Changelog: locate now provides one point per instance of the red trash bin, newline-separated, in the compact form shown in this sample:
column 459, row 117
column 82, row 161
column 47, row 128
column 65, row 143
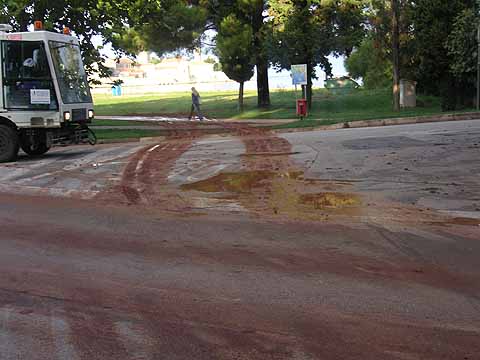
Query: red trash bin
column 302, row 107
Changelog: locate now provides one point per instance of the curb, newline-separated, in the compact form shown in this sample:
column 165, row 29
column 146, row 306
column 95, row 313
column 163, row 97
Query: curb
column 387, row 122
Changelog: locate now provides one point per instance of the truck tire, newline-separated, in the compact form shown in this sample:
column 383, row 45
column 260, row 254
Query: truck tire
column 9, row 143
column 37, row 150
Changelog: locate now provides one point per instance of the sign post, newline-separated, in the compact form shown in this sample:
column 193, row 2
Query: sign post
column 299, row 77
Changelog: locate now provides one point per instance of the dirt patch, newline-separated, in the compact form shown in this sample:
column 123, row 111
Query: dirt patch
column 330, row 200
column 238, row 182
column 271, row 185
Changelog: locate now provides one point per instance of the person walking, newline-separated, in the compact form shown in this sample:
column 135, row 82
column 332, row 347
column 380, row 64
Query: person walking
column 196, row 102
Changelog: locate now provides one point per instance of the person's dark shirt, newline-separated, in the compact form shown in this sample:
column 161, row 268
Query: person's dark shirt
column 195, row 99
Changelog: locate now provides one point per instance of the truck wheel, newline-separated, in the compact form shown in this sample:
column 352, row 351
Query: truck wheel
column 34, row 150
column 9, row 144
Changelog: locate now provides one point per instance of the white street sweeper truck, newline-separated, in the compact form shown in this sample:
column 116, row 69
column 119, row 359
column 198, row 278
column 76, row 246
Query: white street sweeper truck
column 45, row 98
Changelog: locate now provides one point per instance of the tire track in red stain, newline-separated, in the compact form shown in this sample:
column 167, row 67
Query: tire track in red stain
column 144, row 180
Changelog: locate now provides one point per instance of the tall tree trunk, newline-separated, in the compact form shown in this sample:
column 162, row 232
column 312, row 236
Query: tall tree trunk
column 261, row 61
column 240, row 97
column 263, row 91
column 396, row 56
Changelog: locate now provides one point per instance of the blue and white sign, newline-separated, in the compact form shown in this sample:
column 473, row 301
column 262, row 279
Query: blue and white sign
column 299, row 74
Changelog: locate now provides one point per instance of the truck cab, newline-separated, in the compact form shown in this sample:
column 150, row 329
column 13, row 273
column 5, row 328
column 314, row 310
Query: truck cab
column 45, row 98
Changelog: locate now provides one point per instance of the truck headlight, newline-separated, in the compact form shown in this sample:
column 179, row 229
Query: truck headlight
column 91, row 114
column 67, row 116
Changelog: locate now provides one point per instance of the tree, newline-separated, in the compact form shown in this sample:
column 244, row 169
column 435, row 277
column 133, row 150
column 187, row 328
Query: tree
column 307, row 32
column 434, row 22
column 161, row 27
column 131, row 26
column 261, row 60
column 235, row 51
column 462, row 48
column 86, row 18
column 250, row 12
column 369, row 62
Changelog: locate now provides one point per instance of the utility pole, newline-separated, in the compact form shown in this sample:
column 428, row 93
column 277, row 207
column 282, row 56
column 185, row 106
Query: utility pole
column 396, row 56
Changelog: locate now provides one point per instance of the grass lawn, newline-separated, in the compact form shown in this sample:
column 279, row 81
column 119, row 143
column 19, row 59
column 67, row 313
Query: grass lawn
column 327, row 108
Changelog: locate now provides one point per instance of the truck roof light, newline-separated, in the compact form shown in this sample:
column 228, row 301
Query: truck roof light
column 38, row 25
column 66, row 31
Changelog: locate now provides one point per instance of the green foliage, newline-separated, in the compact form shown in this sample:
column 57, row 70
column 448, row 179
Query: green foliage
column 300, row 34
column 210, row 60
column 161, row 26
column 249, row 12
column 308, row 31
column 369, row 63
column 461, row 46
column 236, row 41
column 235, row 49
column 434, row 22
column 86, row 18
column 131, row 26
column 437, row 47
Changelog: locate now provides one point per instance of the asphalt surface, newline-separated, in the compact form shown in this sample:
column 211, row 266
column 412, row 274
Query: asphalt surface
column 349, row 244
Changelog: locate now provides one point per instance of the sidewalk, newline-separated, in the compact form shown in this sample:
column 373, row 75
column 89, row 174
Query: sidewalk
column 166, row 119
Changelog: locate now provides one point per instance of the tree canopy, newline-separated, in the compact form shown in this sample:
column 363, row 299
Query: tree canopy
column 437, row 46
column 308, row 31
column 370, row 63
column 86, row 18
column 235, row 50
column 131, row 26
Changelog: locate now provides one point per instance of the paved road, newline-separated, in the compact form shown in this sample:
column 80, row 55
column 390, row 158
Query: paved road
column 80, row 171
column 427, row 165
column 250, row 246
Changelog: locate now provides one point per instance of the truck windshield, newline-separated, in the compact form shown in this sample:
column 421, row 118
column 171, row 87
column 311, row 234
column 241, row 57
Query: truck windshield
column 70, row 73
column 27, row 81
